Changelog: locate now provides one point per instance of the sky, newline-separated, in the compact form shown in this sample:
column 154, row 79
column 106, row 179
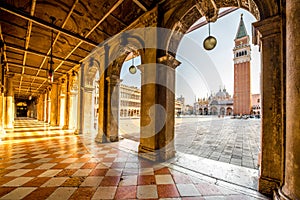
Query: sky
column 203, row 72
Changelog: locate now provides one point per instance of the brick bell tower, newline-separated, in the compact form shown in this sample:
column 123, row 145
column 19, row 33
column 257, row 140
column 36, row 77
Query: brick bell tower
column 242, row 81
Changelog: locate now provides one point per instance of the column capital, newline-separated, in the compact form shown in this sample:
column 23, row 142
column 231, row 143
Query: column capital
column 169, row 60
column 89, row 88
column 113, row 79
column 266, row 28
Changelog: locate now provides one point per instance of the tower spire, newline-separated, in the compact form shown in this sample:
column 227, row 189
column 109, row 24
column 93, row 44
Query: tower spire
column 242, row 32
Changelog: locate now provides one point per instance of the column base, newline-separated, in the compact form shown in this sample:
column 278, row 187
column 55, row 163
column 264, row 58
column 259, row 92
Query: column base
column 100, row 138
column 78, row 132
column 159, row 155
column 279, row 195
column 2, row 133
column 267, row 186
column 114, row 138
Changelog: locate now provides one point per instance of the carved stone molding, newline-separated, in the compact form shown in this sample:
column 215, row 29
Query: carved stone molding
column 169, row 60
column 149, row 19
column 208, row 8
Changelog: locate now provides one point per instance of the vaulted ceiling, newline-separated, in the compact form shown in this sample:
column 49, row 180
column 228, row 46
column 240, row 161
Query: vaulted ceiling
column 77, row 26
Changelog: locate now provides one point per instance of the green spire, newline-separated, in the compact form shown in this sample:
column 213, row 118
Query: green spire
column 242, row 29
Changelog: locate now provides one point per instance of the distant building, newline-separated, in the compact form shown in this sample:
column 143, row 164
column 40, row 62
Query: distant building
column 179, row 107
column 220, row 103
column 130, row 101
column 256, row 104
column 188, row 110
column 242, row 83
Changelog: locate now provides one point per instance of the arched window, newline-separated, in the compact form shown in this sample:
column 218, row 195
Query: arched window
column 242, row 53
column 245, row 52
column 237, row 54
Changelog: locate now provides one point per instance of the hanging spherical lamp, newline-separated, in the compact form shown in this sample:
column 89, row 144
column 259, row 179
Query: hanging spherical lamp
column 210, row 42
column 132, row 68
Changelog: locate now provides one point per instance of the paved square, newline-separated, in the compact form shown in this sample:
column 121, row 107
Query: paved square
column 234, row 141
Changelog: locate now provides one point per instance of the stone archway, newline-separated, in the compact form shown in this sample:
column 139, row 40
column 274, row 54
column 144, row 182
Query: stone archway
column 159, row 145
column 268, row 32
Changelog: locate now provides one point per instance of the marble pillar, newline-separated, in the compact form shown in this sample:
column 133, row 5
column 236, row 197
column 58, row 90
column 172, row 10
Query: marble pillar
column 2, row 131
column 102, row 104
column 88, row 109
column 40, row 108
column 2, row 66
column 112, row 114
column 9, row 102
column 101, row 137
column 62, row 102
column 291, row 187
column 108, row 118
column 269, row 33
column 71, row 103
column 157, row 107
column 54, row 105
column 67, row 103
column 45, row 107
column 48, row 106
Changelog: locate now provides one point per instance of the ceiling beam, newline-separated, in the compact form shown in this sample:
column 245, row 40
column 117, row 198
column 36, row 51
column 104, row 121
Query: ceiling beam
column 27, row 40
column 32, row 76
column 26, row 82
column 28, row 90
column 55, row 40
column 7, row 8
column 29, row 67
column 119, row 20
column 141, row 5
column 115, row 6
column 37, row 53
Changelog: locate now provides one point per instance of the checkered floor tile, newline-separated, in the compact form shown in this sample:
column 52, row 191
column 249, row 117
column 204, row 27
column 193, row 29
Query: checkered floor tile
column 42, row 162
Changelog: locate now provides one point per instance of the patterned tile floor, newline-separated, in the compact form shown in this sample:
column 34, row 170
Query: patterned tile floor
column 41, row 162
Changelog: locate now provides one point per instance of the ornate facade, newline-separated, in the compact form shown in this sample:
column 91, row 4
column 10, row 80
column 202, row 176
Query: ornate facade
column 219, row 104
column 130, row 101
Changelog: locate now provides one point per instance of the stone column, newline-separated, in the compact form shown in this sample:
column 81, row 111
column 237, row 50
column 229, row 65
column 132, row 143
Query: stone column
column 108, row 118
column 157, row 107
column 88, row 108
column 54, row 105
column 67, row 104
column 2, row 67
column 102, row 109
column 9, row 102
column 62, row 102
column 40, row 108
column 291, row 188
column 112, row 112
column 45, row 106
column 2, row 131
column 48, row 106
column 81, row 102
column 71, row 103
column 270, row 36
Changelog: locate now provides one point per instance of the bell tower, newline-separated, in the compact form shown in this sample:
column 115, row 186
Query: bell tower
column 242, row 81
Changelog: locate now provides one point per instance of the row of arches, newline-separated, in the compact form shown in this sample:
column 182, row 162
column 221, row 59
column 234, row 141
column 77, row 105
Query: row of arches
column 216, row 111
column 129, row 113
